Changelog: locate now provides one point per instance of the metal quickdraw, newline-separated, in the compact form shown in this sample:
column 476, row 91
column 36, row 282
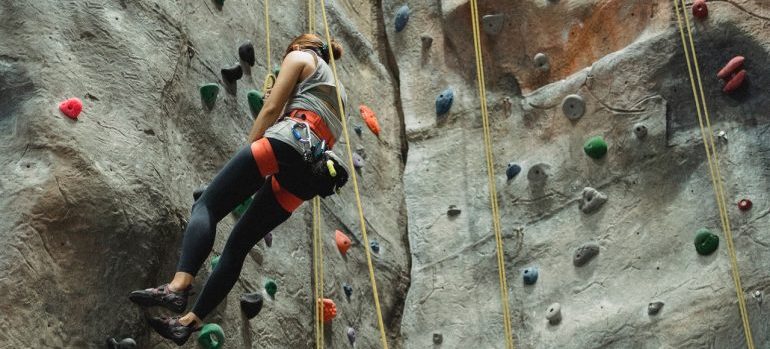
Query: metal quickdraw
column 311, row 152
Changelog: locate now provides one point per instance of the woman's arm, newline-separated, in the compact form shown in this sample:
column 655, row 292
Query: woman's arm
column 291, row 70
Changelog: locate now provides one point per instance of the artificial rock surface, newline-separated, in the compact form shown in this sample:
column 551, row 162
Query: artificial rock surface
column 95, row 208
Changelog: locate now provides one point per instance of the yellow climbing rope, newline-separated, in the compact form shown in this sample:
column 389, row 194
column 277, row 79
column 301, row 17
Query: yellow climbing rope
column 491, row 176
column 713, row 160
column 269, row 77
column 318, row 272
column 341, row 109
column 311, row 16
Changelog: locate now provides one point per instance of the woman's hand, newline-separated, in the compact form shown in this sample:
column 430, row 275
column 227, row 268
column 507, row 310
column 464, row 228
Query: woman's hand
column 292, row 68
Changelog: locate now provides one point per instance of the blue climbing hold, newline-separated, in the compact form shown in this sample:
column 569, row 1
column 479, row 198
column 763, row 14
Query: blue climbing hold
column 444, row 101
column 375, row 246
column 358, row 130
column 348, row 290
column 402, row 17
column 530, row 275
column 512, row 171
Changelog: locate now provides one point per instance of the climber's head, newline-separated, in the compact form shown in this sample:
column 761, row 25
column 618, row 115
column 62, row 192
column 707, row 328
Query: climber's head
column 314, row 42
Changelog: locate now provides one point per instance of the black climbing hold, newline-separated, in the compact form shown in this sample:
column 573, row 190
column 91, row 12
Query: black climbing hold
column 654, row 308
column 438, row 338
column 348, row 290
column 198, row 192
column 493, row 24
column 706, row 242
column 640, row 131
column 358, row 129
column 427, row 41
column 230, row 75
column 530, row 275
column 256, row 101
column 453, row 211
column 585, row 253
column 512, row 171
column 220, row 3
column 246, row 53
column 402, row 17
column 595, row 147
column 553, row 314
column 251, row 304
column 444, row 101
column 538, row 173
column 351, row 336
column 541, row 62
column 125, row 343
column 591, row 200
column 573, row 107
column 209, row 94
column 375, row 246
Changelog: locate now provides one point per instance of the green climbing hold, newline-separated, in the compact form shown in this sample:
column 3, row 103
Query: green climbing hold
column 595, row 147
column 276, row 70
column 212, row 336
column 706, row 242
column 209, row 94
column 256, row 101
column 241, row 208
column 271, row 287
column 214, row 262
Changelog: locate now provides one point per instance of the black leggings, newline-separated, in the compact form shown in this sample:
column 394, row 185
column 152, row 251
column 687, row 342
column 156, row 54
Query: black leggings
column 240, row 178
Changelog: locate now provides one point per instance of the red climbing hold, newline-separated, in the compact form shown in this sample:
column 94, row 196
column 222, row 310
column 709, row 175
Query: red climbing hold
column 745, row 205
column 71, row 107
column 330, row 310
column 735, row 82
column 731, row 67
column 699, row 9
column 343, row 242
column 370, row 118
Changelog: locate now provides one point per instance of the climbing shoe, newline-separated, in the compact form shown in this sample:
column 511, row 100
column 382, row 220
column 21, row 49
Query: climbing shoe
column 162, row 296
column 170, row 328
column 232, row 74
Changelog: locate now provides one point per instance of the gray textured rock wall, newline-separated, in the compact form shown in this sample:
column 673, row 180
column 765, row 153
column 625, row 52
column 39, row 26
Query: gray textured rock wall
column 94, row 208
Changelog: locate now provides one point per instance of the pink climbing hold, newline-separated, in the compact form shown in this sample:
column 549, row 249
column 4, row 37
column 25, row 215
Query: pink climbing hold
column 71, row 107
column 733, row 74
column 735, row 83
column 699, row 9
column 731, row 67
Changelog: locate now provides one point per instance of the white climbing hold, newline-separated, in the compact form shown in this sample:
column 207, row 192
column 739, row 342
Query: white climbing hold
column 591, row 200
column 493, row 24
column 640, row 131
column 553, row 314
column 541, row 62
column 573, row 107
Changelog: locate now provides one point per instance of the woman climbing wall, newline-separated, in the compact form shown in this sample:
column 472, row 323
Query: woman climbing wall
column 285, row 163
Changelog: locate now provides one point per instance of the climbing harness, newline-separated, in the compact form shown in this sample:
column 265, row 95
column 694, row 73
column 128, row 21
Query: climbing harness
column 713, row 160
column 490, row 176
column 362, row 220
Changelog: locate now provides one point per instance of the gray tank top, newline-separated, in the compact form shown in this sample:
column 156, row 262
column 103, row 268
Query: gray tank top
column 317, row 94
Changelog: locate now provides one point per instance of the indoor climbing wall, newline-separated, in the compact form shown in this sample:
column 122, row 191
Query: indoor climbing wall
column 113, row 112
column 612, row 235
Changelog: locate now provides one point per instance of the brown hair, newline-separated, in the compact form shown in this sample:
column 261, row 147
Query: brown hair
column 314, row 42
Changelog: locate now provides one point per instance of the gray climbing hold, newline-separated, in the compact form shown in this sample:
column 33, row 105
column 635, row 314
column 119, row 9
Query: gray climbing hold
column 640, row 131
column 444, row 101
column 125, row 343
column 585, row 253
column 553, row 314
column 541, row 62
column 591, row 200
column 538, row 173
column 493, row 24
column 453, row 211
column 427, row 41
column 573, row 107
column 351, row 336
column 358, row 161
column 654, row 308
column 402, row 17
column 438, row 338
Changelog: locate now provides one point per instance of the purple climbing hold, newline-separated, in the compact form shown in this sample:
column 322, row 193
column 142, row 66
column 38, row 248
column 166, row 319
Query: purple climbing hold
column 358, row 161
column 351, row 335
column 269, row 239
column 402, row 17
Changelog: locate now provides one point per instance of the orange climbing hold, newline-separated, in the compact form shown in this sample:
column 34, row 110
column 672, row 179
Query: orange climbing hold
column 343, row 242
column 370, row 119
column 71, row 107
column 329, row 310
